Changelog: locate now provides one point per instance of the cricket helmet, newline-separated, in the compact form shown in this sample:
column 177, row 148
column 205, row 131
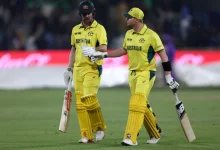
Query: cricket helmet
column 86, row 7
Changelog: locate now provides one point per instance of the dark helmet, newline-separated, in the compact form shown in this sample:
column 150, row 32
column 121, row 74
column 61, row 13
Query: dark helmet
column 86, row 7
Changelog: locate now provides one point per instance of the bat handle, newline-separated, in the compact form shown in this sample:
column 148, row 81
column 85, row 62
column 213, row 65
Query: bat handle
column 176, row 96
column 69, row 85
column 174, row 90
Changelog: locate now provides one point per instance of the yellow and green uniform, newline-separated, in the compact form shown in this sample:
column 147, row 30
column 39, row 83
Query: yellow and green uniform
column 93, row 36
column 141, row 48
column 87, row 76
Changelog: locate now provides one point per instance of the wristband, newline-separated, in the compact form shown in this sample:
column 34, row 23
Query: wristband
column 167, row 66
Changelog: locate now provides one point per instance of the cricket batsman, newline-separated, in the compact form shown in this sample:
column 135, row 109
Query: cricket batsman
column 141, row 44
column 86, row 74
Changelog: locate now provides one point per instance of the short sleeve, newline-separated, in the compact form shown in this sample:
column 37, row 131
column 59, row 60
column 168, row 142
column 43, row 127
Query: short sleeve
column 102, row 36
column 156, row 42
column 72, row 38
column 124, row 42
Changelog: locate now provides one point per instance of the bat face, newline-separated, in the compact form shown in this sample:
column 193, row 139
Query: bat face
column 185, row 123
column 65, row 113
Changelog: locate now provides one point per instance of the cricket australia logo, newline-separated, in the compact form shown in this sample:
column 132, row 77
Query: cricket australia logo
column 85, row 7
column 141, row 40
column 90, row 33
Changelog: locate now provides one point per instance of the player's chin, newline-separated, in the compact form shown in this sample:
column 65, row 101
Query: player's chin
column 87, row 20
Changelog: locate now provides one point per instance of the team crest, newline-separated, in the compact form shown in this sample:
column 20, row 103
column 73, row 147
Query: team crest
column 90, row 33
column 85, row 7
column 141, row 40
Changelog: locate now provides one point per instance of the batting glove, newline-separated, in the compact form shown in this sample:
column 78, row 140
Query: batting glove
column 171, row 82
column 87, row 50
column 68, row 75
column 93, row 59
column 99, row 55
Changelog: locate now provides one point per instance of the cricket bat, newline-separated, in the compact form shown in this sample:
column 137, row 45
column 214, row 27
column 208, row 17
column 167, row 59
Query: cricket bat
column 184, row 120
column 65, row 113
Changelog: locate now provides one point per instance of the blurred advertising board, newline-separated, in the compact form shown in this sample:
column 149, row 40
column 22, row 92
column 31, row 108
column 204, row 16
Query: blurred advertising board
column 45, row 68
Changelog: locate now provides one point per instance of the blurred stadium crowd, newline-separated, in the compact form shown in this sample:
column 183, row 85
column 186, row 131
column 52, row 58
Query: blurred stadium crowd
column 47, row 24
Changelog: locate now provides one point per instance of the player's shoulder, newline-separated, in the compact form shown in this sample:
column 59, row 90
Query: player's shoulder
column 129, row 32
column 151, row 32
column 76, row 27
column 99, row 25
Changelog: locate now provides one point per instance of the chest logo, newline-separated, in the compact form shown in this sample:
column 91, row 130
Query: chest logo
column 90, row 33
column 129, row 39
column 141, row 40
column 77, row 33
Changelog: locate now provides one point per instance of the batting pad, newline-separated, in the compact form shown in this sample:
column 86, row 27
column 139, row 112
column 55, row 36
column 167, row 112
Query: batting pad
column 83, row 118
column 137, row 108
column 146, row 122
column 94, row 110
column 150, row 122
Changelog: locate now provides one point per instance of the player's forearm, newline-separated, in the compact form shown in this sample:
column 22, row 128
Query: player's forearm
column 101, row 48
column 164, row 58
column 117, row 52
column 72, row 57
column 163, row 55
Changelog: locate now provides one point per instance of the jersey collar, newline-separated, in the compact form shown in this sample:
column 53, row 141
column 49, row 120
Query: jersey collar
column 93, row 25
column 143, row 30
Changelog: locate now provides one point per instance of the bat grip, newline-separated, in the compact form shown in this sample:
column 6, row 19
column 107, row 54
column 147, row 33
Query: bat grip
column 176, row 98
column 69, row 85
column 174, row 90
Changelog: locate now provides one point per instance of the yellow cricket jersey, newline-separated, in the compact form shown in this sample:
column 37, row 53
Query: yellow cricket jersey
column 141, row 48
column 93, row 36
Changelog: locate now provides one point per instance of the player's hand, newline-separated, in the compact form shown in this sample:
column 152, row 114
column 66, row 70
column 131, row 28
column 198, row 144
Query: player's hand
column 172, row 83
column 93, row 59
column 68, row 75
column 99, row 55
column 87, row 50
